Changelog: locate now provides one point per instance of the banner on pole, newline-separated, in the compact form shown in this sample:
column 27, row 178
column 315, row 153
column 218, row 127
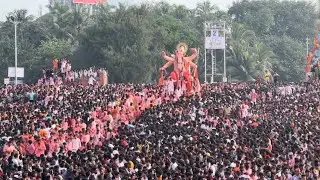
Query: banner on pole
column 12, row 72
column 88, row 1
column 214, row 41
column 6, row 81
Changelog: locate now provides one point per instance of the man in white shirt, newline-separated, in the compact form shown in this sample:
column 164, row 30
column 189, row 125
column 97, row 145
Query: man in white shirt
column 91, row 81
column 174, row 164
column 17, row 161
column 63, row 66
column 76, row 144
column 97, row 137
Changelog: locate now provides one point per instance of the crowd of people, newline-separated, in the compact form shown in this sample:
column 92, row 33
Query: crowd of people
column 137, row 131
column 61, row 72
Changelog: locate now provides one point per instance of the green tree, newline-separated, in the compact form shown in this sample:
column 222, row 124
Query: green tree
column 128, row 40
column 290, row 57
column 240, row 63
column 263, row 57
column 275, row 22
column 56, row 48
column 252, row 13
column 20, row 16
column 28, row 36
column 247, row 59
column 122, row 43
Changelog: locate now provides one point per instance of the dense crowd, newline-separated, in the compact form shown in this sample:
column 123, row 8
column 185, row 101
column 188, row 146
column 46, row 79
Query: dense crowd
column 63, row 75
column 126, row 131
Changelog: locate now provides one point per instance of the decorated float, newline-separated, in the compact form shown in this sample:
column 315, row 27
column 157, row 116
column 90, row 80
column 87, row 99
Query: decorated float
column 313, row 58
column 185, row 71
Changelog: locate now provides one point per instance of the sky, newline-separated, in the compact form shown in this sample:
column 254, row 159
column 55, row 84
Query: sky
column 33, row 6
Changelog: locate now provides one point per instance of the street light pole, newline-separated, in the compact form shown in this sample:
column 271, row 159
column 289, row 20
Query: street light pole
column 307, row 46
column 15, row 21
column 205, row 52
column 224, row 55
column 16, row 52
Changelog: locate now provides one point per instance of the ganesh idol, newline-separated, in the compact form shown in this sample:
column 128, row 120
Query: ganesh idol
column 182, row 68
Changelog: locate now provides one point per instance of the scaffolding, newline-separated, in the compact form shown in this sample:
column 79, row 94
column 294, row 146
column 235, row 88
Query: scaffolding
column 215, row 35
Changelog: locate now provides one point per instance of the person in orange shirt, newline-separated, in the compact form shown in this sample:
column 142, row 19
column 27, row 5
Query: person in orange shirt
column 308, row 72
column 9, row 148
column 72, row 122
column 85, row 138
column 22, row 148
column 94, row 114
column 26, row 137
column 30, row 148
column 40, row 148
column 115, row 113
column 77, row 127
column 55, row 63
column 54, row 146
column 82, row 125
column 64, row 124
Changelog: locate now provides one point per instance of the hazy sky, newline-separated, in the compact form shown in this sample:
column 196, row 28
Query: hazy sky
column 33, row 6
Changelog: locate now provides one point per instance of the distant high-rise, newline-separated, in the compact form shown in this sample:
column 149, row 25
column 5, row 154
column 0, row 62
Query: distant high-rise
column 66, row 2
column 73, row 4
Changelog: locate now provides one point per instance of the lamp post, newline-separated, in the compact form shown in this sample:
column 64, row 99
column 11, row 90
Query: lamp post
column 224, row 78
column 307, row 45
column 15, row 52
column 15, row 21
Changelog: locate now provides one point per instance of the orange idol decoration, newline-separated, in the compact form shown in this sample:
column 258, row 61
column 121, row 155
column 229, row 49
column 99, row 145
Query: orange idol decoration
column 182, row 66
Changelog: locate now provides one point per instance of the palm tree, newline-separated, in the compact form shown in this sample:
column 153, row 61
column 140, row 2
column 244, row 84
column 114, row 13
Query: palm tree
column 205, row 10
column 241, row 63
column 181, row 12
column 239, row 60
column 67, row 21
column 61, row 15
column 162, row 8
column 246, row 57
column 263, row 57
column 19, row 16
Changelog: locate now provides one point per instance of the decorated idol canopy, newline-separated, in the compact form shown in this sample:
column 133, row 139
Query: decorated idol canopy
column 185, row 71
column 313, row 58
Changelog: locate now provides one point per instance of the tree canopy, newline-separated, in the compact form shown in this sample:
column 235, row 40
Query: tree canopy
column 127, row 40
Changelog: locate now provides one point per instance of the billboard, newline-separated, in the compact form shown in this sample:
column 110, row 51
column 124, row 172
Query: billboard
column 88, row 1
column 12, row 72
column 214, row 41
